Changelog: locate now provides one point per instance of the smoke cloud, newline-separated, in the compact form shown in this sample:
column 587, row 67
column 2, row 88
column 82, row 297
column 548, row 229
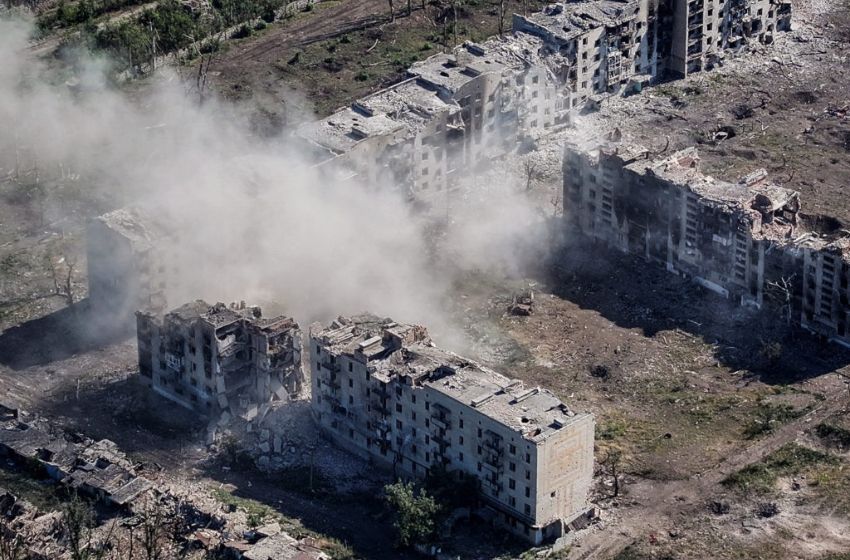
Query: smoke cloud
column 255, row 220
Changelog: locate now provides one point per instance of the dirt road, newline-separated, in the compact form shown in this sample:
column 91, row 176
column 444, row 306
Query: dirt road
column 656, row 507
column 331, row 19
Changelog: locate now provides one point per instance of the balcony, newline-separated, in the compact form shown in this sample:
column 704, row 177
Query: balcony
column 440, row 421
column 380, row 406
column 442, row 441
column 332, row 367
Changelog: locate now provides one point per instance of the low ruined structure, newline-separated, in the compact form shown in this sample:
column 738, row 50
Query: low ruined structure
column 214, row 358
column 384, row 391
column 94, row 468
column 746, row 240
column 125, row 268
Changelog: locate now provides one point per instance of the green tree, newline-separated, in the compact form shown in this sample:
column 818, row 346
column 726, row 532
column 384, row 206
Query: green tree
column 415, row 512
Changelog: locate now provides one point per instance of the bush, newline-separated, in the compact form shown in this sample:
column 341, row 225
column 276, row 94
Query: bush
column 789, row 459
column 768, row 416
column 244, row 30
column 415, row 513
column 838, row 436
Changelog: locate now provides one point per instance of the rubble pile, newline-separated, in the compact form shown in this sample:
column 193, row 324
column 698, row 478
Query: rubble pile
column 283, row 436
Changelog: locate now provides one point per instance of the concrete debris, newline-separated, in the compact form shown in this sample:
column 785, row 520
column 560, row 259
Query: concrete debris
column 220, row 359
column 94, row 468
column 522, row 304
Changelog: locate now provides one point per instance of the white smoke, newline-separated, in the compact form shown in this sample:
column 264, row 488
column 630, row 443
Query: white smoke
column 255, row 220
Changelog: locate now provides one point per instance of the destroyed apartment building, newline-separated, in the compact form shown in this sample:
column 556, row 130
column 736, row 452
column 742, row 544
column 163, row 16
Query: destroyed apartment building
column 126, row 269
column 382, row 390
column 454, row 112
column 746, row 240
column 93, row 468
column 218, row 358
column 457, row 110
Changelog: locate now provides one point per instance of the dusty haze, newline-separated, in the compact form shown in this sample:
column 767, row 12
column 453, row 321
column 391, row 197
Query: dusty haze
column 254, row 220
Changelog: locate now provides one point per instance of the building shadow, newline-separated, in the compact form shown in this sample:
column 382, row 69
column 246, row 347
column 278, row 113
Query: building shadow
column 633, row 293
column 357, row 520
column 144, row 425
column 61, row 334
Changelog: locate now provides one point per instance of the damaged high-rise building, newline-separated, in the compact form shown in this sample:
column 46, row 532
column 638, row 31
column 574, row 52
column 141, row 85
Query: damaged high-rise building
column 457, row 110
column 384, row 391
column 746, row 240
column 214, row 358
column 126, row 269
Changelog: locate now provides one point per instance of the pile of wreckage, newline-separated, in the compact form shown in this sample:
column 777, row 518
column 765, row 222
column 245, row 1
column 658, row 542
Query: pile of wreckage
column 100, row 472
column 93, row 468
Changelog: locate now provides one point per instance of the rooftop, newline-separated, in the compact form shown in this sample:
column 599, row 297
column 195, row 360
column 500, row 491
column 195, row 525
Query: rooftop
column 450, row 72
column 135, row 224
column 568, row 20
column 220, row 315
column 400, row 110
column 395, row 351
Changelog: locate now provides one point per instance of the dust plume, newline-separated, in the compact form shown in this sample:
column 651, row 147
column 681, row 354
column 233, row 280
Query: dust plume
column 253, row 219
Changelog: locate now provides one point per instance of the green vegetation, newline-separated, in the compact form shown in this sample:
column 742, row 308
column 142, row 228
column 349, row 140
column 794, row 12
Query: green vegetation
column 790, row 459
column 258, row 513
column 41, row 493
column 415, row 512
column 611, row 430
column 768, row 416
column 834, row 435
column 82, row 12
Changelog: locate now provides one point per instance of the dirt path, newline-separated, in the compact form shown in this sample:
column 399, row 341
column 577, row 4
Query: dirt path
column 657, row 506
column 328, row 21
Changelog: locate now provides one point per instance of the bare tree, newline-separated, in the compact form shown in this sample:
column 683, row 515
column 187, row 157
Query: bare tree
column 11, row 545
column 782, row 292
column 409, row 7
column 392, row 10
column 212, row 48
column 154, row 529
column 502, row 8
column 455, row 4
column 531, row 172
column 63, row 266
column 79, row 525
column 613, row 461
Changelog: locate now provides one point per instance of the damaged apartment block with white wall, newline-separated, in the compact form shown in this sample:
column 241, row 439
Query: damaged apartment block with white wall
column 217, row 358
column 747, row 240
column 384, row 391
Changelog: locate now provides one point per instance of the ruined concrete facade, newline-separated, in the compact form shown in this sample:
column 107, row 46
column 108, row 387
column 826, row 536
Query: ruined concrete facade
column 619, row 46
column 703, row 29
column 218, row 358
column 126, row 271
column 383, row 391
column 746, row 240
column 609, row 46
column 455, row 111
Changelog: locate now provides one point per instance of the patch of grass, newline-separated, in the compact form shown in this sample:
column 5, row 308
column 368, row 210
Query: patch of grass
column 611, row 430
column 835, row 435
column 41, row 493
column 760, row 478
column 259, row 513
column 768, row 416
